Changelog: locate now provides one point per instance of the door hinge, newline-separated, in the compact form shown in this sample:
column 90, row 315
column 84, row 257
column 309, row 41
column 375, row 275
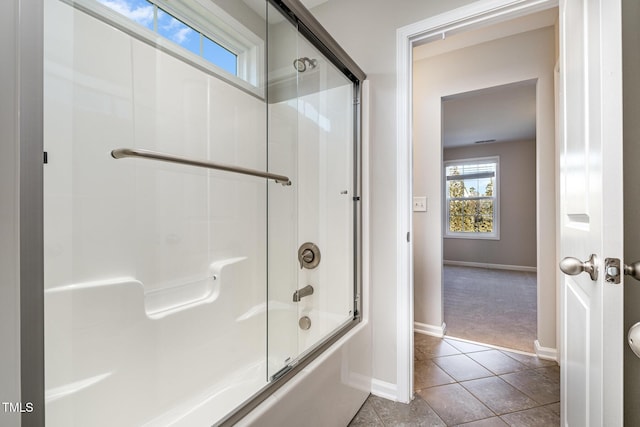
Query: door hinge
column 408, row 236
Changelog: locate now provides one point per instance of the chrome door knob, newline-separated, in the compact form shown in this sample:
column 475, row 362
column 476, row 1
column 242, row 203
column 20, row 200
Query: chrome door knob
column 573, row 266
column 633, row 270
column 633, row 338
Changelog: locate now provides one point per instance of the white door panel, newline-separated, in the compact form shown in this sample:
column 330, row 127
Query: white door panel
column 575, row 151
column 590, row 120
column 577, row 352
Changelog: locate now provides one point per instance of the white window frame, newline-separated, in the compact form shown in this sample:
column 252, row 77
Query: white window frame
column 210, row 20
column 495, row 234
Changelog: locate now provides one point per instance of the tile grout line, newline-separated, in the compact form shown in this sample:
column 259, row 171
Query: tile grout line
column 376, row 412
column 525, row 367
column 537, row 376
column 537, row 404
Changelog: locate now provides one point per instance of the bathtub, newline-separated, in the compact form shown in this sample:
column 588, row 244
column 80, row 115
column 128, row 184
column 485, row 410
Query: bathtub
column 120, row 356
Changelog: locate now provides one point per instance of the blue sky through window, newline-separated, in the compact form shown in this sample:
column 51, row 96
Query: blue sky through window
column 171, row 28
column 213, row 52
column 140, row 11
column 178, row 32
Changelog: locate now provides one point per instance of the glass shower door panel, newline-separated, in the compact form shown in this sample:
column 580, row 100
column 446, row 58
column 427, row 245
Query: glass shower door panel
column 326, row 191
column 283, row 245
column 154, row 272
column 311, row 134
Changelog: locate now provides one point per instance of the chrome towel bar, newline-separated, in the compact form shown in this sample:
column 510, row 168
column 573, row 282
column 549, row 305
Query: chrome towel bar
column 121, row 153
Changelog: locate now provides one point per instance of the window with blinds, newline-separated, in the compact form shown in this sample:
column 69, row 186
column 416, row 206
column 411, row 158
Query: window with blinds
column 471, row 191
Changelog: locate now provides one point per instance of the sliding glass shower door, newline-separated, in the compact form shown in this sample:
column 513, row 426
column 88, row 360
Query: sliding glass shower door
column 200, row 207
column 311, row 135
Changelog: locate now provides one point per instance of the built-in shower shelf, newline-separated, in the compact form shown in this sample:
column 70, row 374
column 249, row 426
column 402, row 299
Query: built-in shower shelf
column 184, row 296
column 173, row 299
column 158, row 303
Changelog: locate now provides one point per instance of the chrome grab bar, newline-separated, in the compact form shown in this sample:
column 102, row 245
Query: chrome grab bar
column 121, row 153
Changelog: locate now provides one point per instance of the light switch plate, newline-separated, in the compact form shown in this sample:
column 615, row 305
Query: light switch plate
column 420, row 204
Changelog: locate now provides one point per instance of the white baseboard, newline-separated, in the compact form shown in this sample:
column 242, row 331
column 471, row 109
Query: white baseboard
column 546, row 353
column 493, row 266
column 433, row 330
column 384, row 389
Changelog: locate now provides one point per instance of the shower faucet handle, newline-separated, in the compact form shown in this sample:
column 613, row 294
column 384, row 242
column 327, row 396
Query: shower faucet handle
column 309, row 255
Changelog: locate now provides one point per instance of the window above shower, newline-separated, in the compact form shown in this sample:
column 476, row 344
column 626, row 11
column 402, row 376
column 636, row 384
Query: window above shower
column 198, row 32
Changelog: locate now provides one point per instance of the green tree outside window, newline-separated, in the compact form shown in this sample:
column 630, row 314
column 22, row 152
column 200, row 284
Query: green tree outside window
column 471, row 197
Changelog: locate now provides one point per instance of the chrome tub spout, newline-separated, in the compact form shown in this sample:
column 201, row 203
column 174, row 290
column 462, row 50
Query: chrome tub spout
column 303, row 292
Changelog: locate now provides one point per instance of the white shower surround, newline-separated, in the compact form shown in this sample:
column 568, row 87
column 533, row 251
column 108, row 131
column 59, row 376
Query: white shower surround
column 164, row 360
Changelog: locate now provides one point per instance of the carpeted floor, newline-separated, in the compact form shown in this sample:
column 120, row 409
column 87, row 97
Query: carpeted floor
column 496, row 307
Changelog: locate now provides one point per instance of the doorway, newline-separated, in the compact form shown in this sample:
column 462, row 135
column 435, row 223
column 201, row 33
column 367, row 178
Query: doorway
column 498, row 64
column 489, row 284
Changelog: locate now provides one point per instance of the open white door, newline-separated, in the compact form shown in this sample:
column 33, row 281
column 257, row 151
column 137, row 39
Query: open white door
column 590, row 121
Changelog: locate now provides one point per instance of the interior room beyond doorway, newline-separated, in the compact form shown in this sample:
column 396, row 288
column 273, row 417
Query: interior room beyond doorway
column 518, row 58
column 489, row 215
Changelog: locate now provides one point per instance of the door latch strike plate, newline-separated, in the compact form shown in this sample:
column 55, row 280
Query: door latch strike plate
column 612, row 270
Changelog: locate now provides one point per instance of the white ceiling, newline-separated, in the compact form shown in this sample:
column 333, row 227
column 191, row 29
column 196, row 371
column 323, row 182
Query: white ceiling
column 503, row 113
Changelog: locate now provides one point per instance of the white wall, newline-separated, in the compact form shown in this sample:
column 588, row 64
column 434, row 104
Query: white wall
column 366, row 29
column 9, row 218
column 521, row 57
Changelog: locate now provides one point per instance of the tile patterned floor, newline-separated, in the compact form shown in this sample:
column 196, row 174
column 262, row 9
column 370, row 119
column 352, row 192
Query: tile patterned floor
column 463, row 384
